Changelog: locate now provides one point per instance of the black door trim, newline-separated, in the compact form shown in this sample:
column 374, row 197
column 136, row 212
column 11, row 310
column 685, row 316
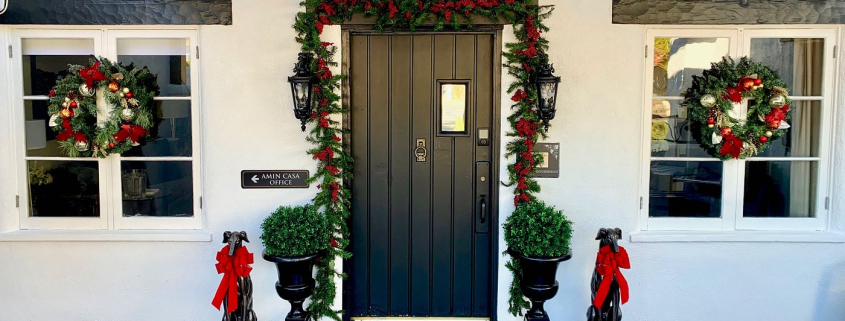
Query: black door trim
column 495, row 134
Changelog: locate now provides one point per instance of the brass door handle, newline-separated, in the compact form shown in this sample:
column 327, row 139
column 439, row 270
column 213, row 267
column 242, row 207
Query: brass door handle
column 421, row 152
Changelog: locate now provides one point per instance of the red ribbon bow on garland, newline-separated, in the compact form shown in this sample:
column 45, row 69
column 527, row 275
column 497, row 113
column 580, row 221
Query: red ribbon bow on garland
column 92, row 74
column 231, row 267
column 608, row 264
column 133, row 132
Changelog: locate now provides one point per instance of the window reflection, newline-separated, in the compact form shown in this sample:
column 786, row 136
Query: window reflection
column 63, row 189
column 676, row 60
column 799, row 62
column 780, row 189
column 685, row 189
column 453, row 105
column 171, row 131
column 157, row 189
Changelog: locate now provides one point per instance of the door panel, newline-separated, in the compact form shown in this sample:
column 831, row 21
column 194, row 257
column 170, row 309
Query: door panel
column 420, row 247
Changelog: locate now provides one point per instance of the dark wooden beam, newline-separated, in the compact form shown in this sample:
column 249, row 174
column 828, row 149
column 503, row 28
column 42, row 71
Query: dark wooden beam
column 119, row 12
column 708, row 12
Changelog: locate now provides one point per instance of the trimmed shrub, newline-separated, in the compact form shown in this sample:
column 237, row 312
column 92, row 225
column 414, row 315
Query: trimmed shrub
column 295, row 231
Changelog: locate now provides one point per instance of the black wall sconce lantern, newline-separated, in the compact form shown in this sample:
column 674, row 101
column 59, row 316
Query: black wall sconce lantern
column 547, row 85
column 302, row 87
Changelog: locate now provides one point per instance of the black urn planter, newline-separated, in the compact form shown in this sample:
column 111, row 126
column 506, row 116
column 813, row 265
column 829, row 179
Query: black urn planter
column 538, row 282
column 296, row 282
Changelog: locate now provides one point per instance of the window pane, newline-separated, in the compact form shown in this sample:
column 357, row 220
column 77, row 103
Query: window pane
column 676, row 60
column 45, row 60
column 453, row 107
column 671, row 135
column 802, row 138
column 685, row 189
column 169, row 59
column 40, row 138
column 780, row 189
column 171, row 132
column 64, row 189
column 157, row 189
column 799, row 62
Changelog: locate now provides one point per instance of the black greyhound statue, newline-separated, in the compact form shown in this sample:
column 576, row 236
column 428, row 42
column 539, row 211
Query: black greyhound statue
column 611, row 306
column 244, row 312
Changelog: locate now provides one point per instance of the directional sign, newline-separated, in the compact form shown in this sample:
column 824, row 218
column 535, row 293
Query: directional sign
column 274, row 179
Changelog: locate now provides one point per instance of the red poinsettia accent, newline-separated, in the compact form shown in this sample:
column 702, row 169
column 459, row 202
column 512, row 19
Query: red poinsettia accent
column 335, row 191
column 336, row 138
column 332, row 169
column 332, row 242
column 521, row 183
column 52, row 93
column 324, row 102
column 526, row 128
column 392, row 9
column 733, row 95
column 67, row 133
column 522, row 197
column 324, row 122
column 92, row 74
column 776, row 116
column 328, row 8
column 325, row 154
column 519, row 95
column 529, row 144
column 133, row 132
column 731, row 145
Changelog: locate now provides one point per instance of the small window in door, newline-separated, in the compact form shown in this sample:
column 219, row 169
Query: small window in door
column 454, row 97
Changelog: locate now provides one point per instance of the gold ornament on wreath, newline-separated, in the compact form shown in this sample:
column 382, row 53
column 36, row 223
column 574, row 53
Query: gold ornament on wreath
column 715, row 101
column 123, row 118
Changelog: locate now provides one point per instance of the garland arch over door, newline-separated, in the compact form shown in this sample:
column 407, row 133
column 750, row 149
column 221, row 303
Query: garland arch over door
column 335, row 162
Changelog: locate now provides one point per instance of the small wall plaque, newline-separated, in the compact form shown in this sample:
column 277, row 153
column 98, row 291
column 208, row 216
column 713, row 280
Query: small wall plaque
column 550, row 167
column 274, row 179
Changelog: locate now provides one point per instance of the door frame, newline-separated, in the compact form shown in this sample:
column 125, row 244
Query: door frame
column 496, row 135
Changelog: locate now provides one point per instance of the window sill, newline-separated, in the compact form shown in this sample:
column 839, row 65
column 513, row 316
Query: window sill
column 106, row 236
column 737, row 236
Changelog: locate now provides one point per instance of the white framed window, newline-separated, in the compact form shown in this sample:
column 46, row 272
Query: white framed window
column 786, row 187
column 156, row 186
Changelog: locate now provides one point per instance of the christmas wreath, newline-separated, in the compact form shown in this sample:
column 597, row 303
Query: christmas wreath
column 716, row 98
column 102, row 109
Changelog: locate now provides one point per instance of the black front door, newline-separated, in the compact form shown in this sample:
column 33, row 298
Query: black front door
column 421, row 122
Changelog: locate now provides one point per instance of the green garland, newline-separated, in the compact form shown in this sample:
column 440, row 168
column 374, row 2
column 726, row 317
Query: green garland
column 335, row 163
column 72, row 104
column 715, row 94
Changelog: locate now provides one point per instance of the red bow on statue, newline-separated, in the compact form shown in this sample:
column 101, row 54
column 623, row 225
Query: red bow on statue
column 231, row 267
column 92, row 74
column 608, row 264
column 133, row 132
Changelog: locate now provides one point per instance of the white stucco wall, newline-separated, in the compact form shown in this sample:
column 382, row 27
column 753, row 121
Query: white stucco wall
column 248, row 124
